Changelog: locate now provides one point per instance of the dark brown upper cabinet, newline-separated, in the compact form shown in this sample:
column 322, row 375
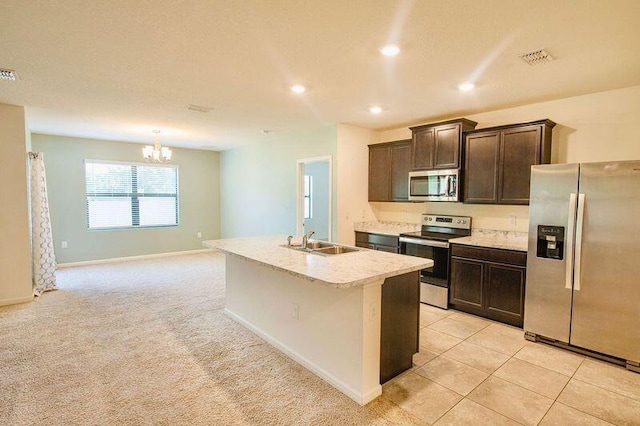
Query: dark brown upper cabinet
column 438, row 145
column 498, row 160
column 389, row 165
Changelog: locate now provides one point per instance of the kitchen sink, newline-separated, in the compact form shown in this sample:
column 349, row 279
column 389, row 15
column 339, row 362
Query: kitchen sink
column 334, row 250
column 323, row 248
column 315, row 245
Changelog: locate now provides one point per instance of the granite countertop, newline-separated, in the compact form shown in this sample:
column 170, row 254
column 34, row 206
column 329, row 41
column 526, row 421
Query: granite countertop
column 386, row 228
column 509, row 240
column 340, row 271
column 491, row 238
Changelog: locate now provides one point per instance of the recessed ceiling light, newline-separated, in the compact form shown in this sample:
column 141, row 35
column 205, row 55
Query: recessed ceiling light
column 375, row 110
column 298, row 88
column 465, row 87
column 390, row 50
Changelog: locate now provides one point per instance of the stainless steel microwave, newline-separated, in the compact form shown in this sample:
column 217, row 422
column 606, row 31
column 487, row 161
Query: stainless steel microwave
column 434, row 185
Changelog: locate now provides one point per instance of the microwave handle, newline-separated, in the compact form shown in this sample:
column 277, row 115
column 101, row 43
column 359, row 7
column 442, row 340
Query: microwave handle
column 450, row 185
column 446, row 186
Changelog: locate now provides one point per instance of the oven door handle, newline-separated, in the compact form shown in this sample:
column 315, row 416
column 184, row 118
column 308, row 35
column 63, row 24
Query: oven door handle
column 421, row 242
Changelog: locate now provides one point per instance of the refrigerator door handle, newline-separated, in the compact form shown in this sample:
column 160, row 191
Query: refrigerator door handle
column 578, row 249
column 571, row 229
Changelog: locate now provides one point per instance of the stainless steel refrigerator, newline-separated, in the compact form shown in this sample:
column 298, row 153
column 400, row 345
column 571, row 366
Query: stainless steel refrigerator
column 583, row 263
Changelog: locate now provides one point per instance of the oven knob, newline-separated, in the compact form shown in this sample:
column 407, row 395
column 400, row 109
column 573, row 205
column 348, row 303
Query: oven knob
column 457, row 220
column 464, row 221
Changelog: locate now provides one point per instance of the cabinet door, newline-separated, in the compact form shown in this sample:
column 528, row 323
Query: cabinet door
column 481, row 167
column 447, row 147
column 505, row 287
column 379, row 172
column 466, row 292
column 400, row 324
column 423, row 149
column 519, row 150
column 400, row 166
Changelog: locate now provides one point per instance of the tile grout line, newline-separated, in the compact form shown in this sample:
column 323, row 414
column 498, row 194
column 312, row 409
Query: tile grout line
column 563, row 388
column 479, row 384
column 492, row 375
column 512, row 357
column 588, row 358
column 555, row 400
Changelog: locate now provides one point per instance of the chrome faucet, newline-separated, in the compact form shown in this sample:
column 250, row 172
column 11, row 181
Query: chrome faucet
column 306, row 237
column 289, row 238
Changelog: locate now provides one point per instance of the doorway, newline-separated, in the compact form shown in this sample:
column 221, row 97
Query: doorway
column 314, row 197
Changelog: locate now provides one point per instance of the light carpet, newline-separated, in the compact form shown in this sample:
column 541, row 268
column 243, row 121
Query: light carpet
column 147, row 342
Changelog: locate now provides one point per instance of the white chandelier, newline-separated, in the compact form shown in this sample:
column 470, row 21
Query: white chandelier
column 156, row 152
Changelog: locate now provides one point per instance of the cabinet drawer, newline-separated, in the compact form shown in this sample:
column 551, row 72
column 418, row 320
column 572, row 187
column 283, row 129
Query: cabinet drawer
column 510, row 257
column 384, row 240
column 390, row 241
column 362, row 237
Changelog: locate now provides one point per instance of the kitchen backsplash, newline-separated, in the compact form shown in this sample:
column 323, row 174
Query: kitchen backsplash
column 384, row 227
column 502, row 218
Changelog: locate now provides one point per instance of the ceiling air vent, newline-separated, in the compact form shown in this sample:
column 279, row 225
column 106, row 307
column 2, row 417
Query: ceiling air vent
column 536, row 57
column 198, row 108
column 6, row 74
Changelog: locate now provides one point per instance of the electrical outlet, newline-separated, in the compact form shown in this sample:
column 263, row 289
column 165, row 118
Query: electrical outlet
column 512, row 220
column 64, row 244
column 199, row 235
column 372, row 312
column 363, row 214
column 295, row 311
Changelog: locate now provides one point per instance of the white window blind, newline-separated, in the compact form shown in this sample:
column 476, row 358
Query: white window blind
column 130, row 195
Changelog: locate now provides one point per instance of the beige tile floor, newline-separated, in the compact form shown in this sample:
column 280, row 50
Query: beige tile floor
column 472, row 371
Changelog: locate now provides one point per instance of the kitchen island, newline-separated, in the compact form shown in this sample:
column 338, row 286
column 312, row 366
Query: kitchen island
column 350, row 318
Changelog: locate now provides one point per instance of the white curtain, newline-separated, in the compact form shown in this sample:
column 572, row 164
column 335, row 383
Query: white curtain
column 44, row 260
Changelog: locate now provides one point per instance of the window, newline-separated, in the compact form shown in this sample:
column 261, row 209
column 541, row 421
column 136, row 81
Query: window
column 130, row 195
column 308, row 200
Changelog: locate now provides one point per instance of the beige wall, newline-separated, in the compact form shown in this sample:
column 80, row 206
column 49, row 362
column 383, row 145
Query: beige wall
column 596, row 127
column 352, row 177
column 15, row 249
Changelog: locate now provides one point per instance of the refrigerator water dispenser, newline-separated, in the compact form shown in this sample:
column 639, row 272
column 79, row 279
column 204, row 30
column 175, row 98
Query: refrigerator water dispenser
column 551, row 242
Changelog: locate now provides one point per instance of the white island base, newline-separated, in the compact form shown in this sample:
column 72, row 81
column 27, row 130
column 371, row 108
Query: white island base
column 351, row 318
column 334, row 332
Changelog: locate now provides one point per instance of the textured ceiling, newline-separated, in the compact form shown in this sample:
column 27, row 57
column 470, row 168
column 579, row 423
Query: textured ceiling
column 118, row 69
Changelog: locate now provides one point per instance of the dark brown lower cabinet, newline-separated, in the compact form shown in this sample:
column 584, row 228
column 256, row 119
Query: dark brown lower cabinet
column 380, row 242
column 488, row 282
column 400, row 324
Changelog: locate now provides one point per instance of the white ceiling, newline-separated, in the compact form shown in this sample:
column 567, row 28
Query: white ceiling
column 118, row 69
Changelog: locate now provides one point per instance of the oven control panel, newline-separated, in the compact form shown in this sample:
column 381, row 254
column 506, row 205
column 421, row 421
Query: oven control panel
column 458, row 222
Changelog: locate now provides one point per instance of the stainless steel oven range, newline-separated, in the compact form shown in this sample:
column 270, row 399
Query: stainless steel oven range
column 432, row 242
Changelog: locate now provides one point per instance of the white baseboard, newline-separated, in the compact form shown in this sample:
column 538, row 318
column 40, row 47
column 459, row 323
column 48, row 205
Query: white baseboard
column 127, row 258
column 360, row 398
column 16, row 300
